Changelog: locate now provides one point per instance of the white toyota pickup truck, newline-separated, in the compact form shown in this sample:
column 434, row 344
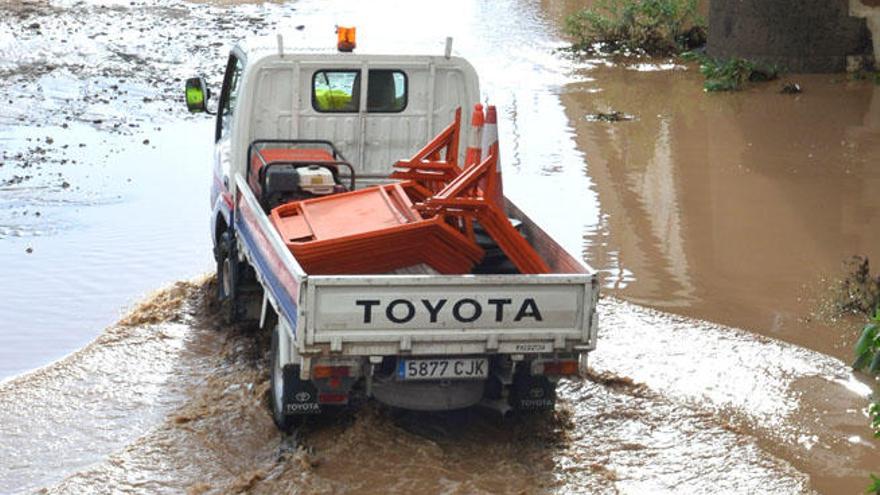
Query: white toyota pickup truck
column 412, row 340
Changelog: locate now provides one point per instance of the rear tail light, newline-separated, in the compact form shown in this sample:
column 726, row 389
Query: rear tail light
column 319, row 372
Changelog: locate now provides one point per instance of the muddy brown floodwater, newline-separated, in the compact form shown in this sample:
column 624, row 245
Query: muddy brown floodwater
column 723, row 208
column 737, row 208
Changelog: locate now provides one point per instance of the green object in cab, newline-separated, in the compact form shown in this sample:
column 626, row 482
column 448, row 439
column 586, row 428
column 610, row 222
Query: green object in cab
column 330, row 100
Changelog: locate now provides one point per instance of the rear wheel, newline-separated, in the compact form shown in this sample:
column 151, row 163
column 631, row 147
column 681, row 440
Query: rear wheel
column 227, row 275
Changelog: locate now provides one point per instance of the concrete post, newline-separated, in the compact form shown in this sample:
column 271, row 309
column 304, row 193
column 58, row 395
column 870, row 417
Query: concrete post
column 798, row 35
column 870, row 10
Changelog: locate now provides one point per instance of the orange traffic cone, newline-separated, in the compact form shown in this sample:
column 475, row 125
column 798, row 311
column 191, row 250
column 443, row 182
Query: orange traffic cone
column 475, row 138
column 490, row 147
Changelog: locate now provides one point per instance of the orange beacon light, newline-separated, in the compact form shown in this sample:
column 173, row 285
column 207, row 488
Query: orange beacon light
column 345, row 39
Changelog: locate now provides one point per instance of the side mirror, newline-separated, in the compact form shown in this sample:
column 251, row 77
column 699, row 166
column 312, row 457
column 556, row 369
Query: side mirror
column 197, row 94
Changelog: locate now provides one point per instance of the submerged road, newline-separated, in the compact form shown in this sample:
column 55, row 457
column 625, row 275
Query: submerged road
column 168, row 400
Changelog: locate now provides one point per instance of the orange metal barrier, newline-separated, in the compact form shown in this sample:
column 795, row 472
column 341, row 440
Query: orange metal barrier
column 428, row 219
column 426, row 167
column 374, row 230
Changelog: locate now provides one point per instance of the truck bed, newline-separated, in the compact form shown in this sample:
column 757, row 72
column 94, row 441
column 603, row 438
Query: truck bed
column 379, row 315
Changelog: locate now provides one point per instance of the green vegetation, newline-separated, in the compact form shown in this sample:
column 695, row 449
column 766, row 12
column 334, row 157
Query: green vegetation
column 865, row 75
column 730, row 74
column 868, row 346
column 868, row 356
column 874, row 411
column 654, row 27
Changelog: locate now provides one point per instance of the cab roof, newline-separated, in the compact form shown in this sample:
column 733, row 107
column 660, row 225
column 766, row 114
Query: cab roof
column 259, row 47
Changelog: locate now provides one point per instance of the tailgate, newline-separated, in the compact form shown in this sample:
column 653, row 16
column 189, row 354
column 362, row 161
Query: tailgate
column 469, row 314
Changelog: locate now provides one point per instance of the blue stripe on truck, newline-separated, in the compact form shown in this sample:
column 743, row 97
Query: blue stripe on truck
column 260, row 252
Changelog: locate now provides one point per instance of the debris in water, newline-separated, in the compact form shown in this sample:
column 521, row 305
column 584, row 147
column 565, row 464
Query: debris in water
column 614, row 382
column 858, row 292
column 791, row 89
column 613, row 116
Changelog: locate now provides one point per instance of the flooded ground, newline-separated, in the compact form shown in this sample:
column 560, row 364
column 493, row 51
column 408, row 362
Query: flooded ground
column 670, row 206
column 169, row 400
column 738, row 208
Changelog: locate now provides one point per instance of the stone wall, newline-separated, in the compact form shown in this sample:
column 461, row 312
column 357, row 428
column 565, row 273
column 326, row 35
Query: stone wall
column 798, row 35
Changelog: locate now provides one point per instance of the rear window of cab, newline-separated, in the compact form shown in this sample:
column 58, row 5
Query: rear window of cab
column 339, row 91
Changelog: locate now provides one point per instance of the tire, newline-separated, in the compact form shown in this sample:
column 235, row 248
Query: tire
column 285, row 384
column 227, row 276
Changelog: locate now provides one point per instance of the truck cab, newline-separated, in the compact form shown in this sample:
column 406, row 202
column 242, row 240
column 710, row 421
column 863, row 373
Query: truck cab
column 294, row 126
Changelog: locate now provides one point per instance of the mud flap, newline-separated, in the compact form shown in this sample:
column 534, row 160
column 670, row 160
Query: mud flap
column 300, row 397
column 532, row 393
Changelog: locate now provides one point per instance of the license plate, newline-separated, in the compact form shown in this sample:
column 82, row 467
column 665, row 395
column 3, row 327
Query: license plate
column 442, row 369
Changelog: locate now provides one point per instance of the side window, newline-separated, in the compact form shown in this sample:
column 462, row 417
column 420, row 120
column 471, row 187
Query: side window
column 229, row 95
column 339, row 91
column 387, row 91
column 336, row 90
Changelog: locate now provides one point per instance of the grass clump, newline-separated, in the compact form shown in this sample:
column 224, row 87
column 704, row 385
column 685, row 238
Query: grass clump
column 865, row 75
column 730, row 74
column 654, row 27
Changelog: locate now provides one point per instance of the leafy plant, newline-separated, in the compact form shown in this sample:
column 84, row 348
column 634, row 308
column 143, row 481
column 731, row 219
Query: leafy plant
column 730, row 74
column 655, row 27
column 874, row 411
column 868, row 346
column 868, row 355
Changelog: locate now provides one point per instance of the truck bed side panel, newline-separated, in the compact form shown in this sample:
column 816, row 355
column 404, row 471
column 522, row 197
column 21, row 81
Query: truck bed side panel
column 276, row 268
